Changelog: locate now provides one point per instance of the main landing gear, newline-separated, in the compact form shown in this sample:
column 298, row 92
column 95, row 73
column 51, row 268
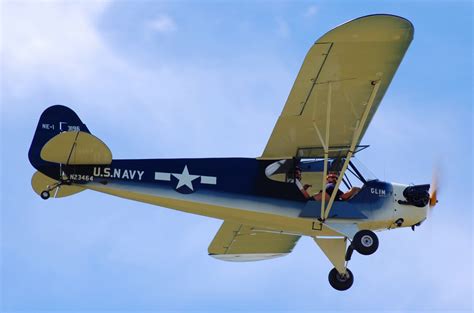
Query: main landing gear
column 366, row 243
column 339, row 281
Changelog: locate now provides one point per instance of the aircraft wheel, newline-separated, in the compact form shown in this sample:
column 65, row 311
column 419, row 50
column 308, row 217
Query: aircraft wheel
column 341, row 282
column 45, row 195
column 365, row 242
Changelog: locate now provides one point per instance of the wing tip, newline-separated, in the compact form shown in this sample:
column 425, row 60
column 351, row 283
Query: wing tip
column 374, row 27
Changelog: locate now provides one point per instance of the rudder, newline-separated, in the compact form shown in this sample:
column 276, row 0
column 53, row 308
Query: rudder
column 52, row 122
column 61, row 142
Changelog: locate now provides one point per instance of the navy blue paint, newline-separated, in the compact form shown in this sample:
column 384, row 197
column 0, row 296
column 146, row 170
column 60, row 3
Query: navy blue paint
column 364, row 202
column 234, row 175
column 244, row 177
column 57, row 117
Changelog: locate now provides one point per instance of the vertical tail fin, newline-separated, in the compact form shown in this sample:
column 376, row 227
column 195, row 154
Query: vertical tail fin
column 60, row 143
column 53, row 121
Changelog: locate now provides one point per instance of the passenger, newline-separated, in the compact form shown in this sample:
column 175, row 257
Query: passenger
column 331, row 185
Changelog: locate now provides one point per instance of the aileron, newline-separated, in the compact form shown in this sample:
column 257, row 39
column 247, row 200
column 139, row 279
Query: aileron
column 237, row 242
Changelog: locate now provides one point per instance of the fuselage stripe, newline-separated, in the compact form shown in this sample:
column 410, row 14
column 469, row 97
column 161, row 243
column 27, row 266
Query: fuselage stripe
column 210, row 180
column 162, row 176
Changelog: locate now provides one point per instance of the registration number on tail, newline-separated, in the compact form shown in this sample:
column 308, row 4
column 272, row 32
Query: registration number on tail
column 81, row 177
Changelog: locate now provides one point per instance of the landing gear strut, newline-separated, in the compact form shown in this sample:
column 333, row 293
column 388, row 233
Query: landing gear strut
column 339, row 281
column 339, row 254
column 45, row 194
column 365, row 242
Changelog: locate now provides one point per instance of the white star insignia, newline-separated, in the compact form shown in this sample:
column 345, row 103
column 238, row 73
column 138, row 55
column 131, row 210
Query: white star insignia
column 185, row 179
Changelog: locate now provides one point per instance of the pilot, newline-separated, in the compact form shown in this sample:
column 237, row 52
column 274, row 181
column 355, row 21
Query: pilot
column 331, row 180
column 297, row 181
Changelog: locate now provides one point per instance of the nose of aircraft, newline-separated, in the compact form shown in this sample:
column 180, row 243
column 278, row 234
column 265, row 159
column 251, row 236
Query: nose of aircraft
column 417, row 195
column 410, row 204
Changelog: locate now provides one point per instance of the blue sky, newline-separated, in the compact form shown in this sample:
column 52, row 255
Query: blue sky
column 205, row 79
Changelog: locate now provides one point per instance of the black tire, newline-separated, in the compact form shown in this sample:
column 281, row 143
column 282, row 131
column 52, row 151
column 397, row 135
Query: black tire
column 340, row 282
column 365, row 242
column 45, row 195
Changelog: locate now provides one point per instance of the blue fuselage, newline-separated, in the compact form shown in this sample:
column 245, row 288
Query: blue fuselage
column 213, row 185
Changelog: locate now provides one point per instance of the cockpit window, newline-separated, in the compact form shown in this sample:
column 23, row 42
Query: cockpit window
column 308, row 176
column 312, row 170
column 280, row 170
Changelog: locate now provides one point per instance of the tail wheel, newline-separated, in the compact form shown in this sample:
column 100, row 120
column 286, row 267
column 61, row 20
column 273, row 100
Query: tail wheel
column 365, row 242
column 339, row 281
column 45, row 195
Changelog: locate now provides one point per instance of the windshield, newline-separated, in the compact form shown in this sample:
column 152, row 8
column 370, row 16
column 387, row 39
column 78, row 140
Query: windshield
column 366, row 173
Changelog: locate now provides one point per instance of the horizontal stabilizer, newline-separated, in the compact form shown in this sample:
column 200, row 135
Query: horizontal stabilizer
column 76, row 148
column 41, row 182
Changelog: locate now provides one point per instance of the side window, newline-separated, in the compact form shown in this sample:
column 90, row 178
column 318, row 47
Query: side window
column 280, row 171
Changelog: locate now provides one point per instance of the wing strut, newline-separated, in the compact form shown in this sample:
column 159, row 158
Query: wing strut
column 324, row 143
column 355, row 138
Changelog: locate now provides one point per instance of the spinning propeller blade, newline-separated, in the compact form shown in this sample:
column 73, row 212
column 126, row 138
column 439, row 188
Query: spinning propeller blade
column 434, row 188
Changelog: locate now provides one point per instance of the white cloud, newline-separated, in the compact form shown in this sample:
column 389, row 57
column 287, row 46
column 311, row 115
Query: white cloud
column 282, row 28
column 56, row 51
column 311, row 11
column 54, row 43
column 162, row 24
column 49, row 33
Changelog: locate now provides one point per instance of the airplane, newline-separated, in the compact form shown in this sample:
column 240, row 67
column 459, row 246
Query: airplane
column 264, row 208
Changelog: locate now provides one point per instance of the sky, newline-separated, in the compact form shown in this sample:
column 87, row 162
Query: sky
column 209, row 79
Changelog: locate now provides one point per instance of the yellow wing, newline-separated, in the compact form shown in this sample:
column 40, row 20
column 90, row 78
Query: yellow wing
column 240, row 243
column 346, row 69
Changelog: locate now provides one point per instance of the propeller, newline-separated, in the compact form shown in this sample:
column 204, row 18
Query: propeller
column 434, row 188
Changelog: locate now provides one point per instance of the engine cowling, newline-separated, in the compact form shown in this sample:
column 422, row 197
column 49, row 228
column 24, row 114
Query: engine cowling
column 416, row 195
